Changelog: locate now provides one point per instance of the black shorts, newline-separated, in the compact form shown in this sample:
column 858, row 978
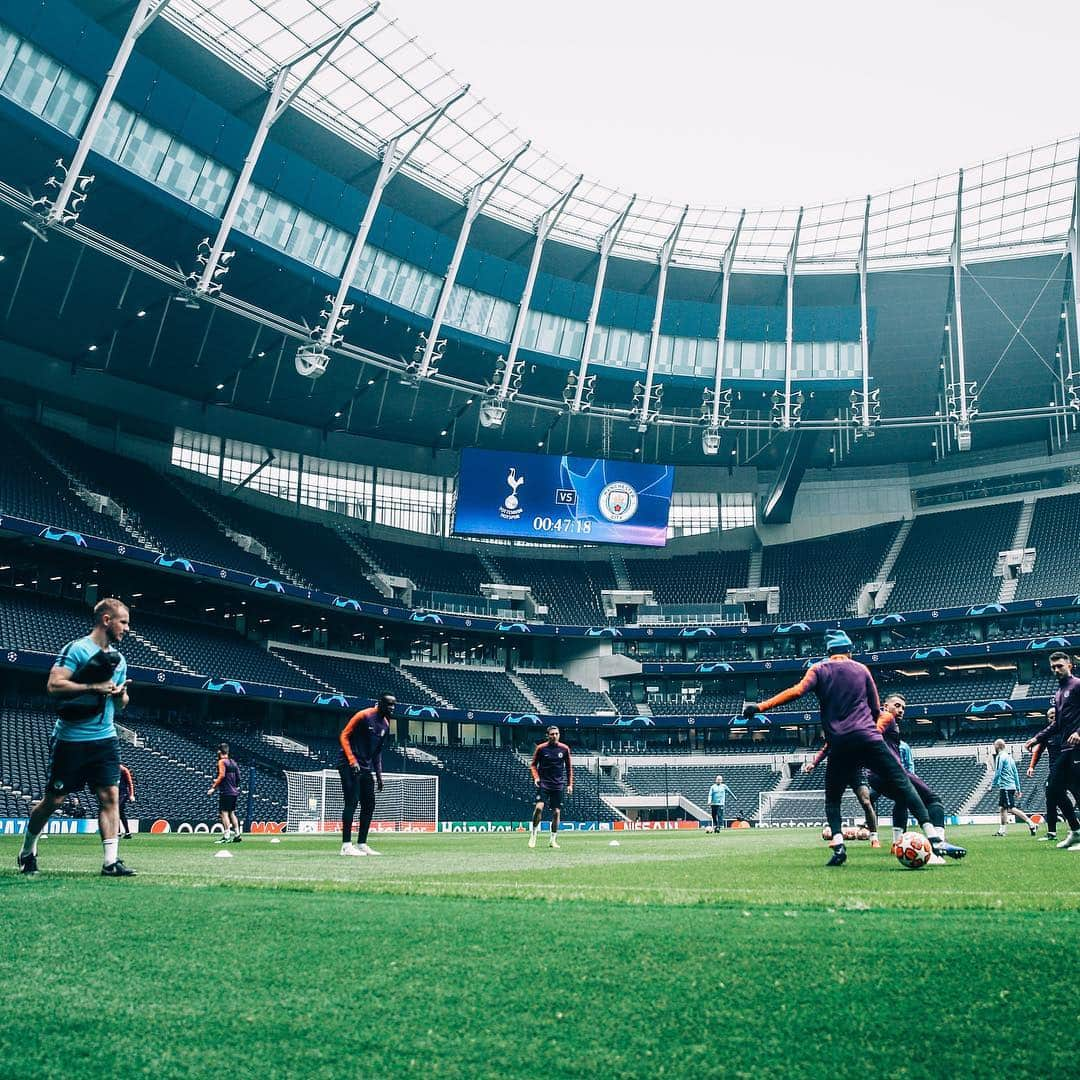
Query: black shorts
column 552, row 796
column 1006, row 799
column 73, row 764
column 226, row 804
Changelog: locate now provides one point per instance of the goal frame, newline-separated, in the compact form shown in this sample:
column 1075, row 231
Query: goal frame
column 850, row 807
column 409, row 802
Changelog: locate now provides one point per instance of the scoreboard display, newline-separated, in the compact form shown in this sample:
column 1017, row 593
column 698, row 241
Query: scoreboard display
column 567, row 499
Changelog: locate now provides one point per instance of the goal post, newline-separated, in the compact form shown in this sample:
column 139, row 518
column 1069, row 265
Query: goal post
column 409, row 802
column 803, row 808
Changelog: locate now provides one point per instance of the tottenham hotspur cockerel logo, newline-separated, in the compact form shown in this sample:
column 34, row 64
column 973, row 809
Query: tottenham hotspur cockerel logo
column 511, row 509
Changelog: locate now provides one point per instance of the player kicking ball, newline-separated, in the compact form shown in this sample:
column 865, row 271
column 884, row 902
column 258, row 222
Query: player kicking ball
column 553, row 774
column 849, row 703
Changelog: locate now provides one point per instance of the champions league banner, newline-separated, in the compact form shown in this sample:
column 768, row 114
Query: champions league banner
column 567, row 499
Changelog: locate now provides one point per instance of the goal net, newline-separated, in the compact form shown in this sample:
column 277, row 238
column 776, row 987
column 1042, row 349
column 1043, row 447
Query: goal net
column 803, row 808
column 409, row 802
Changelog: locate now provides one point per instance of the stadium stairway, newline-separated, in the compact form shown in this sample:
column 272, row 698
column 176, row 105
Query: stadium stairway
column 420, row 685
column 83, row 489
column 871, row 599
column 619, row 569
column 979, row 793
column 168, row 660
column 494, row 573
column 375, row 573
column 1009, row 584
column 757, row 559
column 307, row 674
column 529, row 696
column 244, row 541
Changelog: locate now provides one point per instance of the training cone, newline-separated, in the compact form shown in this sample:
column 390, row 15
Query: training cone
column 222, row 854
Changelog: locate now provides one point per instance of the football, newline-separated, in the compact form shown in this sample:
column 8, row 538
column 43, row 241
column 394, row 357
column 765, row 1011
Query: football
column 913, row 850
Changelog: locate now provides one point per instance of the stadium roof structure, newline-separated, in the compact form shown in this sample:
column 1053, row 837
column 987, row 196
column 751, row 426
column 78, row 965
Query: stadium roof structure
column 363, row 99
column 385, row 77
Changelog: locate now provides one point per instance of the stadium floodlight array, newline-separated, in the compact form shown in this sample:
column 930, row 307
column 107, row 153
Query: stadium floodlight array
column 793, row 808
column 408, row 800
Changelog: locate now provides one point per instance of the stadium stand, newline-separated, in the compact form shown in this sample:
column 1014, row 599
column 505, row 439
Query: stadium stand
column 472, row 687
column 358, row 676
column 561, row 696
column 32, row 487
column 819, row 579
column 691, row 579
column 948, row 558
column 571, row 590
column 1057, row 570
column 432, row 570
column 693, row 781
column 220, row 653
column 160, row 507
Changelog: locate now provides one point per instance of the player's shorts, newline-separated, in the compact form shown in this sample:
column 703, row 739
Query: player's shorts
column 226, row 804
column 552, row 796
column 73, row 764
column 1006, row 799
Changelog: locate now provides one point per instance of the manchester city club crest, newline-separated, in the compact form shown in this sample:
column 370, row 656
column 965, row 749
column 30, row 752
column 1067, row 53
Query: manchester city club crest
column 618, row 502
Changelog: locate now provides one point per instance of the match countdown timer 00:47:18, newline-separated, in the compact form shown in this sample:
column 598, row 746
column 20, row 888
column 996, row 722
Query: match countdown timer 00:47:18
column 562, row 525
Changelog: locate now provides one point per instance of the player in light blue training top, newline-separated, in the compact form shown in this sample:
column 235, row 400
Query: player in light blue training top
column 718, row 795
column 1007, row 782
column 88, row 682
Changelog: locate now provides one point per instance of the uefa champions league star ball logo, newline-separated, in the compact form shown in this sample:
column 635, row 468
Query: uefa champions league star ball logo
column 511, row 507
column 618, row 502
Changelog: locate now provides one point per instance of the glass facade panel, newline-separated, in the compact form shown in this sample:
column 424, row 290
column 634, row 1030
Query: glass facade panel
column 30, row 78
column 70, row 103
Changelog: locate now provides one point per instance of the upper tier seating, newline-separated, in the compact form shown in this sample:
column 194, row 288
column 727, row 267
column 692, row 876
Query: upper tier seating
column 571, row 590
column 1054, row 528
column 32, row 487
column 180, row 528
column 948, row 558
column 822, row 578
column 429, row 569
column 703, row 578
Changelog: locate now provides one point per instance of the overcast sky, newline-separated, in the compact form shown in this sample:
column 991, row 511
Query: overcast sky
column 766, row 103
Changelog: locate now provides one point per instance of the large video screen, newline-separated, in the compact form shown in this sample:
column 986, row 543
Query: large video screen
column 569, row 499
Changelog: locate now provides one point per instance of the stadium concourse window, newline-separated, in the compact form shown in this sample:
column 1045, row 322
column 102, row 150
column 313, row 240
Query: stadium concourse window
column 340, row 487
column 279, row 478
column 693, row 513
column 412, row 501
column 196, row 452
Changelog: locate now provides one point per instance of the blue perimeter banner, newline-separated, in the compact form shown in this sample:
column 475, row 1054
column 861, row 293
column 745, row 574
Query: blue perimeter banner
column 567, row 499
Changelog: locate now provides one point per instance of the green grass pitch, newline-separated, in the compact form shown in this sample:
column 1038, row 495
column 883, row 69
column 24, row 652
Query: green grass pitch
column 671, row 955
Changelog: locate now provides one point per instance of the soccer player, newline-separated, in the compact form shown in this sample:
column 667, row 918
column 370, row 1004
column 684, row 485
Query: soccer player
column 1048, row 740
column 718, row 794
column 1007, row 782
column 227, row 785
column 127, row 796
column 1064, row 778
column 553, row 774
column 360, row 769
column 89, row 682
column 888, row 723
column 849, row 705
column 862, row 793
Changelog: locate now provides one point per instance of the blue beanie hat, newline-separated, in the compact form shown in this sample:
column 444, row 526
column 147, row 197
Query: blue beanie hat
column 837, row 641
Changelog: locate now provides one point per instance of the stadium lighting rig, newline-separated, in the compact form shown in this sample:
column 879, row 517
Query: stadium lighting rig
column 715, row 416
column 787, row 408
column 500, row 392
column 61, row 208
column 866, row 411
column 312, row 360
column 415, row 369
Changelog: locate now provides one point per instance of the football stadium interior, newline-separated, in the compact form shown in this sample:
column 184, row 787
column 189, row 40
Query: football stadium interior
column 346, row 389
